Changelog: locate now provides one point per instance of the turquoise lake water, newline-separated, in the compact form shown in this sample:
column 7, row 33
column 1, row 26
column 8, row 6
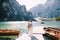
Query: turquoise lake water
column 22, row 25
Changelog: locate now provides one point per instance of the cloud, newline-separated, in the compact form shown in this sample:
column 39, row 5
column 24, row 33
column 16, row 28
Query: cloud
column 31, row 3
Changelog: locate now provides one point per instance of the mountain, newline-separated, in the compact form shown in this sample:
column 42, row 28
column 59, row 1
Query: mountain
column 36, row 9
column 11, row 10
column 50, row 9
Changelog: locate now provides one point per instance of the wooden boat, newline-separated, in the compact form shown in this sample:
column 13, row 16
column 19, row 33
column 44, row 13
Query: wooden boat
column 51, row 32
column 9, row 33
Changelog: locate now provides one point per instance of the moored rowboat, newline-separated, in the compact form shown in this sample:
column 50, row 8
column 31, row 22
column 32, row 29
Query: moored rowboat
column 9, row 33
column 53, row 33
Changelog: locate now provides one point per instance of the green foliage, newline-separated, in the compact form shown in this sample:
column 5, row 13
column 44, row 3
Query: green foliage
column 58, row 18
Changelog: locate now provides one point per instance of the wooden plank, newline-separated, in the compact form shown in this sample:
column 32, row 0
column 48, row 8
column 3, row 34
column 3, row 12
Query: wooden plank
column 39, row 36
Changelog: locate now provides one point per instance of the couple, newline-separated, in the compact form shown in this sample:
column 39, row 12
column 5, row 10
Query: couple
column 30, row 28
column 30, row 35
column 36, row 32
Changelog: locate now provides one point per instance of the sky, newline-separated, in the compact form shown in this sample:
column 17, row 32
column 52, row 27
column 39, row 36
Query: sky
column 31, row 3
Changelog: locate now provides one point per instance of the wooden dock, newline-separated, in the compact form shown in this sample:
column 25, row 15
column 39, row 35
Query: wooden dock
column 37, row 35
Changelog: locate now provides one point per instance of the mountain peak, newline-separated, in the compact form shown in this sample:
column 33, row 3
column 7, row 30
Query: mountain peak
column 49, row 9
